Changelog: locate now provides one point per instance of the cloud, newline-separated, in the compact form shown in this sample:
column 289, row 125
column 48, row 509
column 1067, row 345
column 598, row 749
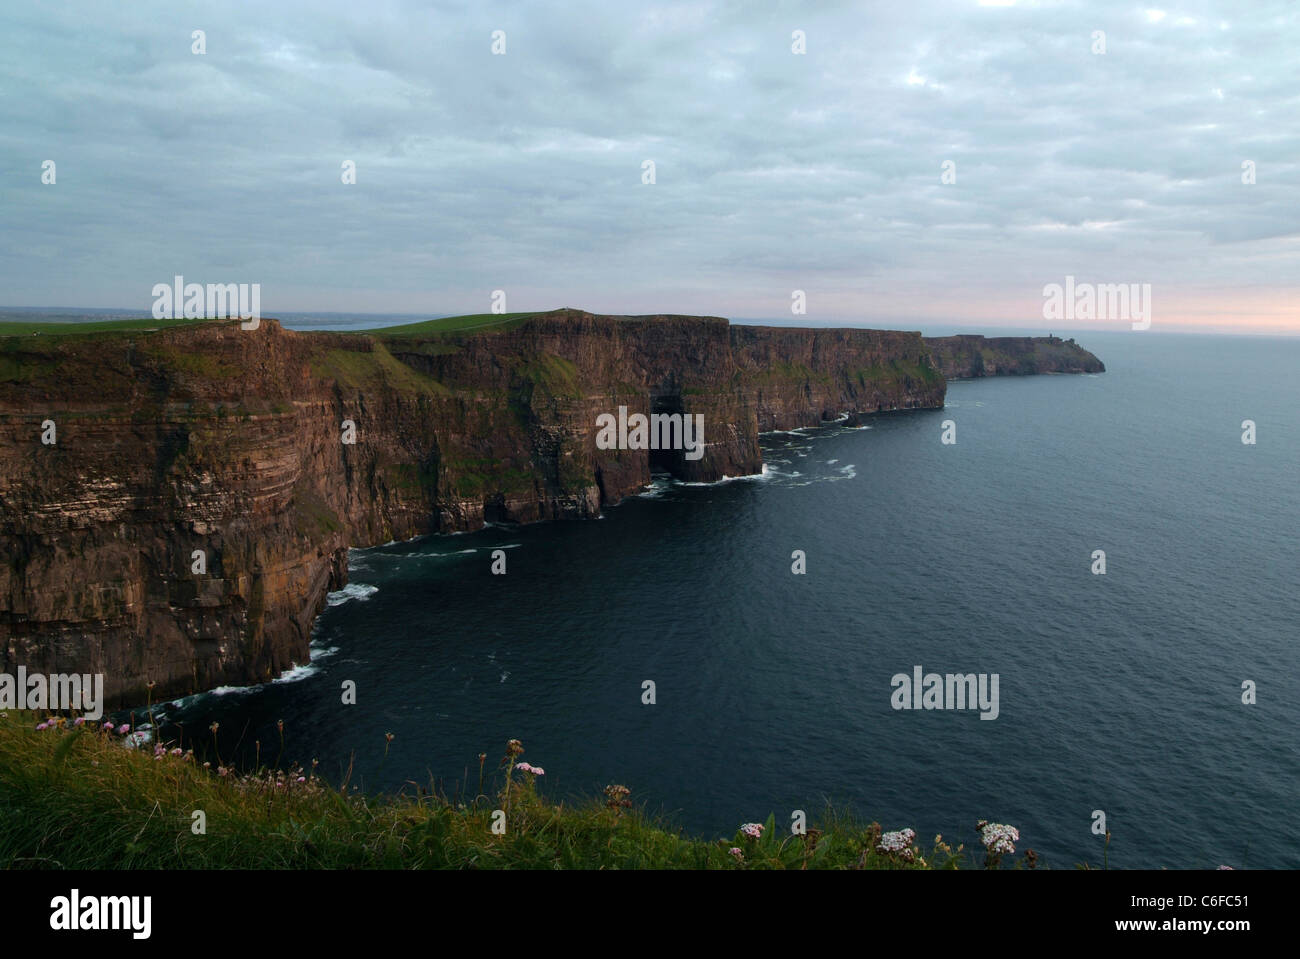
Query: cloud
column 523, row 172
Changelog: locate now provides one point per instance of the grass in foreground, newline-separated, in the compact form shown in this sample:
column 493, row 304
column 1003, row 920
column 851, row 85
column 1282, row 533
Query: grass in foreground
column 87, row 796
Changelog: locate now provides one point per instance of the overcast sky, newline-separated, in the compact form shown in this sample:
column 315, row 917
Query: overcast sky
column 774, row 171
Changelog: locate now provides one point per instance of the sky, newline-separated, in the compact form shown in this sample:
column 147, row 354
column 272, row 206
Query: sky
column 775, row 171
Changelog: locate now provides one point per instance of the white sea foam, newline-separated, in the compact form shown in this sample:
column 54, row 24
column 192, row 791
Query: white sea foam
column 658, row 487
column 296, row 674
column 763, row 475
column 228, row 690
column 358, row 591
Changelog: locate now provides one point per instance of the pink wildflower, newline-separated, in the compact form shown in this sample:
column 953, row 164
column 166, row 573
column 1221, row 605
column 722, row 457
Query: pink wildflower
column 899, row 842
column 998, row 839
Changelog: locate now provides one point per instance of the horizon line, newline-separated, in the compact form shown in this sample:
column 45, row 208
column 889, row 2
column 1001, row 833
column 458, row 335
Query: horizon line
column 796, row 322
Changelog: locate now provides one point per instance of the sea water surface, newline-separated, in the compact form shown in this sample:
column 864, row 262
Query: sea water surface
column 1119, row 692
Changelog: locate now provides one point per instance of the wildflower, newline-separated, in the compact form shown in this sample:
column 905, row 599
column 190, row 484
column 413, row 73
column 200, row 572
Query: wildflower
column 207, row 765
column 752, row 829
column 301, row 779
column 42, row 725
column 514, row 748
column 616, row 796
column 1229, row 868
column 524, row 767
column 736, row 851
column 176, row 751
column 108, row 727
column 223, row 771
column 539, row 771
column 159, row 750
column 898, row 843
column 123, row 729
column 79, row 721
column 997, row 838
column 213, row 728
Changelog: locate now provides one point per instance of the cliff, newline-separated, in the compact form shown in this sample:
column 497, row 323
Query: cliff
column 210, row 444
column 962, row 357
column 200, row 491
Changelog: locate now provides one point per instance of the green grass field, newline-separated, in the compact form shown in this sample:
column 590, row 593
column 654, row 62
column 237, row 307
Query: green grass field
column 86, row 797
column 149, row 324
column 448, row 324
column 455, row 324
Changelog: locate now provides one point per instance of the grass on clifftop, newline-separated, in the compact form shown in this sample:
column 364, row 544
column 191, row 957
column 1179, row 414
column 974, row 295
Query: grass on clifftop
column 148, row 324
column 454, row 324
column 447, row 324
column 88, row 797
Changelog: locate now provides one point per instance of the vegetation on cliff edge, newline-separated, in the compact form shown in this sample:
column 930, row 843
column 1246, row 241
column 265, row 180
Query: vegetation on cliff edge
column 88, row 796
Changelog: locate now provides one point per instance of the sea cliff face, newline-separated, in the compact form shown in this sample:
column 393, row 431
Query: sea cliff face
column 194, row 503
column 799, row 377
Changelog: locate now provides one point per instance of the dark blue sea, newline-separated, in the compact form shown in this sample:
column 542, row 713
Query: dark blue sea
column 1119, row 692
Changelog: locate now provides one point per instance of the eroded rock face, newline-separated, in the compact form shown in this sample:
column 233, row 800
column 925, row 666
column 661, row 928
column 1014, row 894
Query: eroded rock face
column 802, row 377
column 966, row 356
column 215, row 444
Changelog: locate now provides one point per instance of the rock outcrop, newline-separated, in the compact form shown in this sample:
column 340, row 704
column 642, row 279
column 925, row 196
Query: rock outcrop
column 968, row 355
column 202, row 487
